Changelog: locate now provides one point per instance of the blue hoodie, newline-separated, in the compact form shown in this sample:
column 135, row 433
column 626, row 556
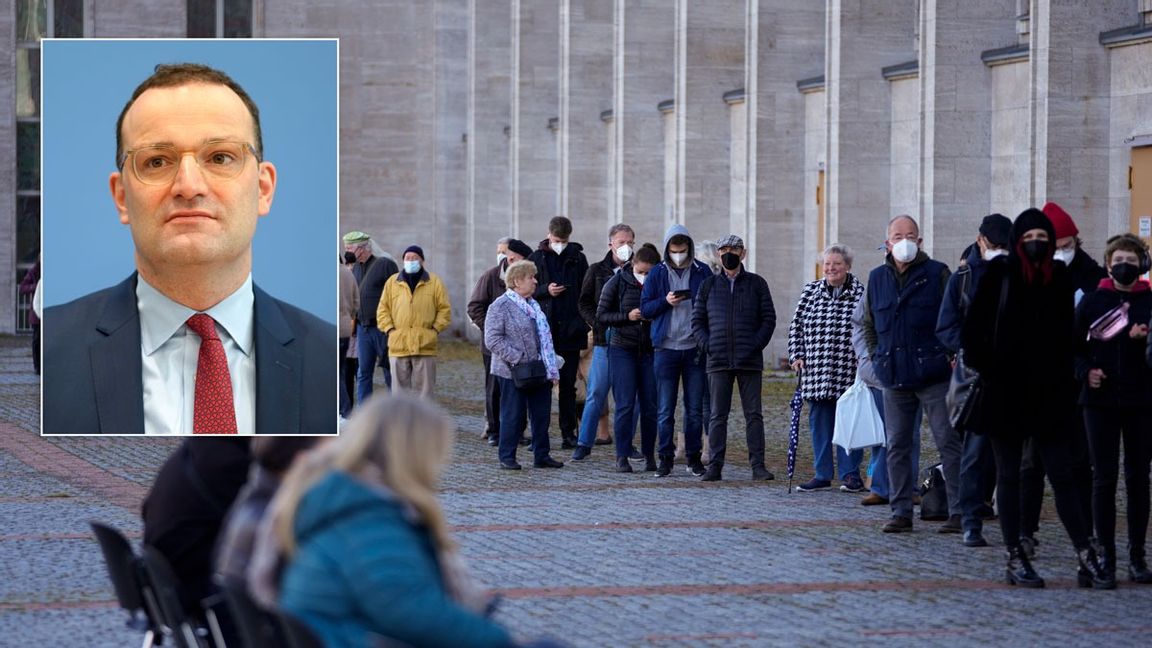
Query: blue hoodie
column 653, row 300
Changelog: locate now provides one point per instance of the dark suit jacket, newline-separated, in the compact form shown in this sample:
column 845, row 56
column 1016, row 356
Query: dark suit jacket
column 93, row 368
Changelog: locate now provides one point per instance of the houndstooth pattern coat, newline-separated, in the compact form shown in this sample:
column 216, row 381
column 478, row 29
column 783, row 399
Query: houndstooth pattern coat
column 821, row 335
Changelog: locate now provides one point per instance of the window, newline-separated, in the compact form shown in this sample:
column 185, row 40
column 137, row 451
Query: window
column 35, row 19
column 220, row 18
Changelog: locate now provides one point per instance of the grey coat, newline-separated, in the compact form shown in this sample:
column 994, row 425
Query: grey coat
column 510, row 335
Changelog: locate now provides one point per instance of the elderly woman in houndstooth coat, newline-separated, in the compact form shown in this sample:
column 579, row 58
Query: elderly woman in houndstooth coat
column 820, row 350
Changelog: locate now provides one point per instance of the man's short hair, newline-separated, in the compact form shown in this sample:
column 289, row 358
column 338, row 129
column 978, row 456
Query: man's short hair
column 680, row 239
column 900, row 217
column 620, row 227
column 179, row 74
column 560, row 227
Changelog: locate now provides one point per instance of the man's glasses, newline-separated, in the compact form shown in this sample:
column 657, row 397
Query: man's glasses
column 158, row 164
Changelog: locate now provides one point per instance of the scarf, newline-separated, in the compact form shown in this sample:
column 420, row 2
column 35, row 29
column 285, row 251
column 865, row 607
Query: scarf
column 543, row 333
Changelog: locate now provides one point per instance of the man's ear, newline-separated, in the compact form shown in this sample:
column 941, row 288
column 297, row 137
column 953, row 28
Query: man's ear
column 267, row 182
column 116, row 186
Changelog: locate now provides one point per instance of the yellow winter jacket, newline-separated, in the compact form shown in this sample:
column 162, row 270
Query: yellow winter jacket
column 413, row 319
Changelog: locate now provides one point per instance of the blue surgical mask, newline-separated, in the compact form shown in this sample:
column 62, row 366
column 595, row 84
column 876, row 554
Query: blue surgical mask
column 411, row 267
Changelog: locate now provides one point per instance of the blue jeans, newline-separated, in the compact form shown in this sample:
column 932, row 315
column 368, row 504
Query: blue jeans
column 633, row 387
column 822, row 422
column 878, row 465
column 513, row 404
column 975, row 457
column 671, row 368
column 597, row 395
column 371, row 351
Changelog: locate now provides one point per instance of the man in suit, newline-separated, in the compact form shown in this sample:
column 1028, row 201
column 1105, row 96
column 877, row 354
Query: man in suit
column 188, row 344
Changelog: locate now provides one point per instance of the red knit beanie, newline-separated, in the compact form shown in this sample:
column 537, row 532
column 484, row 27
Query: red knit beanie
column 1061, row 221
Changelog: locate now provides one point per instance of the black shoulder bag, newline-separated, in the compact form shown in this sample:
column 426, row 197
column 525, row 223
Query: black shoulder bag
column 533, row 373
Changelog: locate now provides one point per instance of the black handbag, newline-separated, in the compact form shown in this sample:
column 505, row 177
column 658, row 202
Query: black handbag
column 966, row 390
column 530, row 375
column 934, row 495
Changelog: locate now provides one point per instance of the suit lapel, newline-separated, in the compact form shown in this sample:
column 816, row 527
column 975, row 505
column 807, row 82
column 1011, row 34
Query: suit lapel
column 116, row 364
column 279, row 369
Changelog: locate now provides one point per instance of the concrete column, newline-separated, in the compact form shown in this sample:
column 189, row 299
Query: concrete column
column 642, row 78
column 489, row 201
column 535, row 69
column 450, row 156
column 710, row 48
column 1070, row 108
column 956, row 102
column 585, row 92
column 904, row 192
column 789, row 46
column 863, row 37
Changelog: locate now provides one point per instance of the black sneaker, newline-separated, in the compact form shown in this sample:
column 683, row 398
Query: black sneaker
column 622, row 465
column 814, row 485
column 711, row 474
column 493, row 441
column 649, row 464
column 581, row 453
column 548, row 462
column 567, row 442
column 664, row 468
column 695, row 466
column 974, row 538
column 509, row 465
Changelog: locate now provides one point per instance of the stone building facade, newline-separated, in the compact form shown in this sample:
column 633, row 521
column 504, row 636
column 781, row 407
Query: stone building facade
column 792, row 123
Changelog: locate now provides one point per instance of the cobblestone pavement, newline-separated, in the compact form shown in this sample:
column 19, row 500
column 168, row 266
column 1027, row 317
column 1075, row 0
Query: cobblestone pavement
column 584, row 554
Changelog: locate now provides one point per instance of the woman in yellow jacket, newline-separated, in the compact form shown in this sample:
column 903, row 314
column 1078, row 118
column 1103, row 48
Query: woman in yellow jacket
column 413, row 310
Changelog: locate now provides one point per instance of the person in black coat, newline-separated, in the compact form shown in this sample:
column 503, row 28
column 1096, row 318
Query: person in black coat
column 630, row 356
column 733, row 320
column 1116, row 384
column 1022, row 344
column 560, row 270
column 185, row 509
column 371, row 273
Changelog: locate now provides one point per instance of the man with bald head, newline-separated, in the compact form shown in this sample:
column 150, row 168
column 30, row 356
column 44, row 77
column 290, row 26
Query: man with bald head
column 900, row 312
column 188, row 344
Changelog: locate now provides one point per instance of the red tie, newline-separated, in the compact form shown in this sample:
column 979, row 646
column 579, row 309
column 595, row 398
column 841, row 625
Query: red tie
column 213, row 411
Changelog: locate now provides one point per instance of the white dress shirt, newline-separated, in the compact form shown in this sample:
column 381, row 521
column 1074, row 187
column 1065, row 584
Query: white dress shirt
column 170, row 352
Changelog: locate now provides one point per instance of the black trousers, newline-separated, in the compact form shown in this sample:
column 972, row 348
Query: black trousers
column 720, row 392
column 1032, row 479
column 1107, row 426
column 1065, row 464
column 569, row 423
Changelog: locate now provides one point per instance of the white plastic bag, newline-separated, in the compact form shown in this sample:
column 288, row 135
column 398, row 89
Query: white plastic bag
column 858, row 422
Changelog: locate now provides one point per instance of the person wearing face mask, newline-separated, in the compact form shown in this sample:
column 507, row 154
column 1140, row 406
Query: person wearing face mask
column 1085, row 272
column 561, row 268
column 733, row 320
column 666, row 301
column 488, row 288
column 630, row 355
column 977, row 465
column 1022, row 343
column 621, row 240
column 903, row 301
column 413, row 311
column 1115, row 386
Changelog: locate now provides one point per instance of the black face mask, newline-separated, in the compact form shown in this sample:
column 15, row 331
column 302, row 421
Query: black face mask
column 1124, row 274
column 1035, row 250
column 730, row 260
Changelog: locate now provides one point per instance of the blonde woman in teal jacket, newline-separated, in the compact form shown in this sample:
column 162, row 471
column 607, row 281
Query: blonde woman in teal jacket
column 363, row 541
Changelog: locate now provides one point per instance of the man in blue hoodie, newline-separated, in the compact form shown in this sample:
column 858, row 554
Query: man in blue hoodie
column 668, row 297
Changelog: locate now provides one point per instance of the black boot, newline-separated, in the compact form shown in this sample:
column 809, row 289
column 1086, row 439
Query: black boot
column 649, row 463
column 1137, row 567
column 1091, row 573
column 1019, row 569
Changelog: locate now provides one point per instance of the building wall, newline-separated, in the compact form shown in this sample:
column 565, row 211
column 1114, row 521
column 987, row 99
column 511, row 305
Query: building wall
column 904, row 185
column 1131, row 116
column 1011, row 134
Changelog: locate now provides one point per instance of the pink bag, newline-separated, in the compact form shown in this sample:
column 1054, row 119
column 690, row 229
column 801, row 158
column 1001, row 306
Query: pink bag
column 1110, row 324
